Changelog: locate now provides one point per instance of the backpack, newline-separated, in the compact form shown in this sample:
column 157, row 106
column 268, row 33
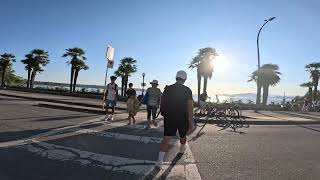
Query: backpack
column 145, row 98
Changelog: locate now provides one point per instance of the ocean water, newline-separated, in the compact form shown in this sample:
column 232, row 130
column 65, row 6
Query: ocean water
column 246, row 98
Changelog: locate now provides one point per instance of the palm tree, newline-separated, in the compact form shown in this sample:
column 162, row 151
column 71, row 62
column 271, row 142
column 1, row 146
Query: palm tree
column 76, row 54
column 79, row 65
column 6, row 60
column 41, row 59
column 268, row 75
column 314, row 69
column 29, row 61
column 127, row 66
column 120, row 73
column 34, row 62
column 203, row 63
column 309, row 85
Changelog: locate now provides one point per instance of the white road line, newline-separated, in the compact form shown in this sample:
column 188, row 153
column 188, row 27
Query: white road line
column 108, row 162
column 112, row 163
column 138, row 126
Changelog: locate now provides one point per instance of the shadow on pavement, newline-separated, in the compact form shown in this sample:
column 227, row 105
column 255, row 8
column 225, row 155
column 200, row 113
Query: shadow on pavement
column 16, row 135
column 35, row 117
column 165, row 174
column 63, row 118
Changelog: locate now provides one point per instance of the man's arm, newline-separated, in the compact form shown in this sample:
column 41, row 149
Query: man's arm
column 117, row 94
column 190, row 111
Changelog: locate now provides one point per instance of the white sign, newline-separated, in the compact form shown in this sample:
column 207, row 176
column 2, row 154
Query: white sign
column 110, row 52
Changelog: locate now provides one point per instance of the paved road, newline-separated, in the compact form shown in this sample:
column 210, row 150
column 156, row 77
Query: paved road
column 43, row 143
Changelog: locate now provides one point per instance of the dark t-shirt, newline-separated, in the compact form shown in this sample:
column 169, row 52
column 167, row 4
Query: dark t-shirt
column 174, row 102
column 131, row 92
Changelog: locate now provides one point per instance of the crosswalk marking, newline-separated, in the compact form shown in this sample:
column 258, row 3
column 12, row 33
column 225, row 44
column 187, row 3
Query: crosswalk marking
column 37, row 146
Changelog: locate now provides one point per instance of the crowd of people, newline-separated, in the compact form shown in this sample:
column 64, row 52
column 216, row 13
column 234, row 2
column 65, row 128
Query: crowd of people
column 175, row 104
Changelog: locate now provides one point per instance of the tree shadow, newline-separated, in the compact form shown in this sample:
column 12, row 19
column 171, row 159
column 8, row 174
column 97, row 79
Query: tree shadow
column 63, row 118
column 16, row 135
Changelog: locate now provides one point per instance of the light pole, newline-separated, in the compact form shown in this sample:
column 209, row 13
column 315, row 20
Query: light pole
column 266, row 21
column 143, row 84
column 258, row 88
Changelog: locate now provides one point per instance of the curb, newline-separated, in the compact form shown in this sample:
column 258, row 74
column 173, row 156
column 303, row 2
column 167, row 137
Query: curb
column 70, row 108
column 245, row 122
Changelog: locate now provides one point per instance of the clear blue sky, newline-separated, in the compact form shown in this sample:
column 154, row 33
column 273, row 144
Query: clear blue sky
column 164, row 35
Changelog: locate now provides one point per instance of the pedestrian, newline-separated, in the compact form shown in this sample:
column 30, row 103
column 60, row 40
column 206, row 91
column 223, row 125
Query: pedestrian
column 177, row 110
column 202, row 103
column 132, row 104
column 111, row 98
column 152, row 99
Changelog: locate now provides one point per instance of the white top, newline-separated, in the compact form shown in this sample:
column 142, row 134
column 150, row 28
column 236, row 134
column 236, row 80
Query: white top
column 112, row 91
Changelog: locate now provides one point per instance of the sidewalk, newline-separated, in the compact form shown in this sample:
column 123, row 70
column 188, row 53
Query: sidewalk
column 69, row 100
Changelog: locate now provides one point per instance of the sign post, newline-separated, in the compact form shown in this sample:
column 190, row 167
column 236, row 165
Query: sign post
column 110, row 62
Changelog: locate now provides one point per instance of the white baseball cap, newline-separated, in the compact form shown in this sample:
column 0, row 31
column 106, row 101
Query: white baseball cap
column 182, row 75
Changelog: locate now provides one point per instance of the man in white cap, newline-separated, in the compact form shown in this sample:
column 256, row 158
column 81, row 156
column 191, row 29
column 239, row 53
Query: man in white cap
column 177, row 110
column 153, row 96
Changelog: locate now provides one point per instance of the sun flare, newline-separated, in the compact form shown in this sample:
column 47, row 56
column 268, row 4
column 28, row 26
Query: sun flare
column 220, row 63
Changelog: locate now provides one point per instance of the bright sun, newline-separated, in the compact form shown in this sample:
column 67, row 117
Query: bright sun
column 220, row 63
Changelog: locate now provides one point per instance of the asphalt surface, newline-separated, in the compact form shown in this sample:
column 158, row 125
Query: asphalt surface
column 43, row 143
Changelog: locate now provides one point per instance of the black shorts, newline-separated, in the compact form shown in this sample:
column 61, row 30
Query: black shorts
column 171, row 126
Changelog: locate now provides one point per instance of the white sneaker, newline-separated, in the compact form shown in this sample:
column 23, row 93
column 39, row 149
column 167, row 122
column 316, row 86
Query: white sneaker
column 182, row 149
column 159, row 164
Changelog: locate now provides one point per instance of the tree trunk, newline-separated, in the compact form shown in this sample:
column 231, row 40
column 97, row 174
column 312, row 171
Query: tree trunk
column 126, row 84
column 33, row 76
column 122, row 85
column 75, row 79
column 315, row 91
column 310, row 92
column 258, row 100
column 265, row 95
column 205, row 83
column 3, row 75
column 199, row 84
column 71, row 77
column 29, row 75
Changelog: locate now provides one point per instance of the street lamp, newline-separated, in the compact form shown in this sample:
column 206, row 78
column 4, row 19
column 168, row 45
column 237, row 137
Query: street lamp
column 143, row 84
column 258, row 89
column 266, row 21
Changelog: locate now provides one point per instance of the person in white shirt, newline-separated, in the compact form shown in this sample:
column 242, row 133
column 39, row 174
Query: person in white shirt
column 111, row 98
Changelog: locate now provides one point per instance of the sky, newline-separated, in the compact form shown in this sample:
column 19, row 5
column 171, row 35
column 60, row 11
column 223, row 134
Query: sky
column 163, row 36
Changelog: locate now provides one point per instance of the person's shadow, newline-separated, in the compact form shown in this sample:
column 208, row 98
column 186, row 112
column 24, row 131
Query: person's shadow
column 165, row 174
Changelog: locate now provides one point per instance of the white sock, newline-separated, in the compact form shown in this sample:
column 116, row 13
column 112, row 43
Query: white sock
column 161, row 156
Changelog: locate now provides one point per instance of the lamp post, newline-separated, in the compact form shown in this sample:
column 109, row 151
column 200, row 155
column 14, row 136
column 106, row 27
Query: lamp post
column 258, row 100
column 143, row 84
column 266, row 21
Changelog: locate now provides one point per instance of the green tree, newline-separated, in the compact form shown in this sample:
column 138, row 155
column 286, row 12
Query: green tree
column 79, row 65
column 10, row 78
column 76, row 54
column 34, row 62
column 268, row 75
column 314, row 69
column 308, row 85
column 203, row 62
column 6, row 61
column 126, row 67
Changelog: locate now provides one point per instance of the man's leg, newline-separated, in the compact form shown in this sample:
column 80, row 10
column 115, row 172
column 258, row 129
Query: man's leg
column 107, row 110
column 148, row 116
column 154, row 116
column 164, row 147
column 183, row 130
